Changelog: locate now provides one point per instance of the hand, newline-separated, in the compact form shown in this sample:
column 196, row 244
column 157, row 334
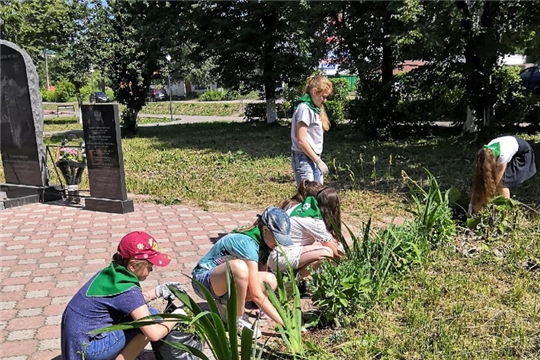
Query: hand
column 470, row 210
column 162, row 291
column 322, row 166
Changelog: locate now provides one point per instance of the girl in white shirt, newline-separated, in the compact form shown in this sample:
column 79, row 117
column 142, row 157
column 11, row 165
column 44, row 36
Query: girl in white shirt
column 502, row 164
column 314, row 212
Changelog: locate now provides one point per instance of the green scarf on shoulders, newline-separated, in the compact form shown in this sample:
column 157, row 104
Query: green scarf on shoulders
column 307, row 208
column 113, row 280
column 306, row 99
column 495, row 148
column 255, row 234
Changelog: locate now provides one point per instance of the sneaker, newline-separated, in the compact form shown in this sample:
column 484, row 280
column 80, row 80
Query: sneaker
column 242, row 322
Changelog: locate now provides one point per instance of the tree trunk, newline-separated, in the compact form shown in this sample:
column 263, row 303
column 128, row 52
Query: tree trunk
column 129, row 118
column 271, row 110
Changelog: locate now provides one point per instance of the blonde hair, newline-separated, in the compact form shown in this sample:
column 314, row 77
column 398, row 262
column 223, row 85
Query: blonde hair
column 484, row 184
column 320, row 83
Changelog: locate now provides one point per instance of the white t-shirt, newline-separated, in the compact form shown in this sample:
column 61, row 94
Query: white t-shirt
column 307, row 231
column 509, row 147
column 315, row 131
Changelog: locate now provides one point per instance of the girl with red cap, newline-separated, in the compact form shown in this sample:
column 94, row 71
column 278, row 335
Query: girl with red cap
column 114, row 296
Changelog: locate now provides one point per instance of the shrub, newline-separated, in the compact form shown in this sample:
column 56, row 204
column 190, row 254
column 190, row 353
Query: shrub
column 334, row 110
column 212, row 95
column 341, row 90
column 47, row 95
column 231, row 95
column 64, row 91
column 257, row 111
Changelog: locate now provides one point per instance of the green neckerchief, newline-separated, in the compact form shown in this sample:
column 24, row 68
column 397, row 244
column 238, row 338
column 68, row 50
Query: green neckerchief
column 307, row 208
column 495, row 147
column 306, row 99
column 113, row 280
column 255, row 234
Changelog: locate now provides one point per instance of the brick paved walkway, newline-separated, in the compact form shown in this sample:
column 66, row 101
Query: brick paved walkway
column 48, row 251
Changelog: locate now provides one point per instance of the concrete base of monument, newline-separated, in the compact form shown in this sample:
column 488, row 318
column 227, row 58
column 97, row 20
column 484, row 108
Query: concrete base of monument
column 18, row 195
column 108, row 205
column 6, row 203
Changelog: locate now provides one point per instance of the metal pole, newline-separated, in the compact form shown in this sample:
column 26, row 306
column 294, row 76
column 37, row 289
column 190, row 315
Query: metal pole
column 170, row 94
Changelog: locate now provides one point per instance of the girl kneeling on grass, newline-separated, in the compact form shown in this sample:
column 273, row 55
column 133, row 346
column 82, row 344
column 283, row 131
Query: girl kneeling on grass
column 502, row 164
column 314, row 211
column 243, row 250
column 114, row 296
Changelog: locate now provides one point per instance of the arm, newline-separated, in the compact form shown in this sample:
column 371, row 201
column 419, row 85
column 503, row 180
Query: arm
column 257, row 294
column 302, row 129
column 153, row 332
column 500, row 172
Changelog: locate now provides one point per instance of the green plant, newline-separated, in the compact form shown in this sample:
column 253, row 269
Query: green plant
column 498, row 218
column 212, row 95
column 432, row 208
column 64, row 91
column 289, row 310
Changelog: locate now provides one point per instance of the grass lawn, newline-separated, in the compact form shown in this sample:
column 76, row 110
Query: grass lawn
column 476, row 297
column 178, row 107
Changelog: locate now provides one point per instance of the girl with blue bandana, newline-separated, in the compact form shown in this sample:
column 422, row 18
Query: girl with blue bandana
column 502, row 164
column 309, row 122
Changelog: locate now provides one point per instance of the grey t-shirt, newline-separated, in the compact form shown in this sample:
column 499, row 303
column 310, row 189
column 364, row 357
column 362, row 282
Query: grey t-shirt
column 315, row 130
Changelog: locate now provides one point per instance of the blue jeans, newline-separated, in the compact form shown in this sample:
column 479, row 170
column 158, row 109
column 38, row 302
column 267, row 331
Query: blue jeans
column 305, row 168
column 107, row 345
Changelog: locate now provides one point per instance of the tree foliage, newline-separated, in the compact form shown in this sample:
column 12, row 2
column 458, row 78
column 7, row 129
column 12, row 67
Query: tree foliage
column 258, row 44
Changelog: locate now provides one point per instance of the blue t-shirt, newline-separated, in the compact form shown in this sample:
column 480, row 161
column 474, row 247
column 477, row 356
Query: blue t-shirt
column 230, row 247
column 84, row 314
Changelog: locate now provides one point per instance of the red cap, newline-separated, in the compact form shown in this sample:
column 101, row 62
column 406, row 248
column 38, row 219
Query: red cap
column 139, row 245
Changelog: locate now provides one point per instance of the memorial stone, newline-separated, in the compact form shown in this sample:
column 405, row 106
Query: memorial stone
column 105, row 162
column 21, row 131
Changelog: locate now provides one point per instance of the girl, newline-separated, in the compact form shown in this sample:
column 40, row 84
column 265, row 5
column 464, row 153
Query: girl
column 309, row 122
column 314, row 211
column 502, row 164
column 113, row 296
column 244, row 250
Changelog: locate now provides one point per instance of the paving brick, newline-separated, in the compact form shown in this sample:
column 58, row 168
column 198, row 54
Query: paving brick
column 48, row 332
column 30, row 312
column 26, row 323
column 53, row 320
column 37, row 294
column 20, row 335
column 49, row 344
column 46, row 354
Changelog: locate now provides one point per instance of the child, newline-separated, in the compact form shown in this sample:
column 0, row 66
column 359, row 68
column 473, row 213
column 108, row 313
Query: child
column 243, row 250
column 309, row 122
column 312, row 228
column 113, row 296
column 502, row 164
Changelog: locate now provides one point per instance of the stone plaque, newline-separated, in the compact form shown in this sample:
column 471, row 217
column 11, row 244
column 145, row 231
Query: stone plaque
column 104, row 159
column 21, row 119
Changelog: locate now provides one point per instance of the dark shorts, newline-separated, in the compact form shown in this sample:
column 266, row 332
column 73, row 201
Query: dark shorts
column 521, row 166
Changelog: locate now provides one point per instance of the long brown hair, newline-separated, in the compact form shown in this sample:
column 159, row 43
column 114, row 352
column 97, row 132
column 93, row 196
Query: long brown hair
column 328, row 199
column 320, row 83
column 305, row 188
column 484, row 184
column 330, row 204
